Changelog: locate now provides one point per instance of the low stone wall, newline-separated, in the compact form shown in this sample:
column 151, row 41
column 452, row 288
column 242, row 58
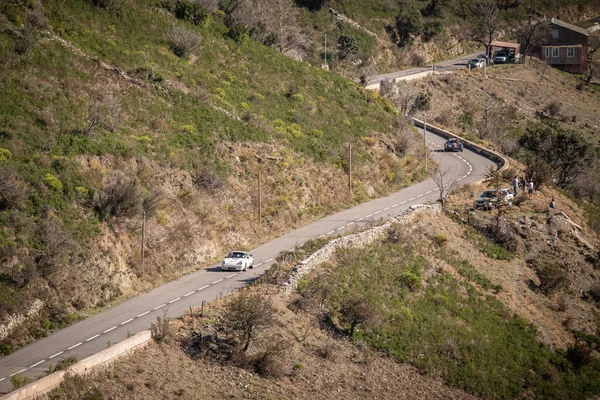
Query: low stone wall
column 360, row 239
column 52, row 381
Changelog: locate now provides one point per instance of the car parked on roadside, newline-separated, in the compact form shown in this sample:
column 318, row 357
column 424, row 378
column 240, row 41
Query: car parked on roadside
column 491, row 198
column 500, row 57
column 453, row 144
column 237, row 261
column 476, row 63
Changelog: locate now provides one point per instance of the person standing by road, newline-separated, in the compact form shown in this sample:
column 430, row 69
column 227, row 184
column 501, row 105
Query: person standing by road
column 515, row 183
column 530, row 189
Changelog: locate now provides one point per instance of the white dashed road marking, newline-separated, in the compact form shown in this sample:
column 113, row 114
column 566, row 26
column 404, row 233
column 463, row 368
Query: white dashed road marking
column 54, row 355
column 370, row 215
column 358, row 220
column 179, row 298
column 110, row 329
column 18, row 372
column 411, row 199
column 156, row 308
column 37, row 363
column 387, row 208
column 79, row 344
column 2, row 379
column 203, row 287
column 269, row 260
column 142, row 314
column 217, row 281
column 376, row 212
column 126, row 322
column 395, row 205
column 404, row 202
column 340, row 228
column 190, row 293
column 92, row 338
column 329, row 233
column 227, row 277
column 351, row 223
column 258, row 265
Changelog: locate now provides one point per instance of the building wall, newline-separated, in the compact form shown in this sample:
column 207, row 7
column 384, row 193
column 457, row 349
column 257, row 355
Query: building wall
column 566, row 37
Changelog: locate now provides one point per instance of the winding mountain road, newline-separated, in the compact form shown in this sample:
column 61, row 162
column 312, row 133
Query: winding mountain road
column 413, row 73
column 134, row 315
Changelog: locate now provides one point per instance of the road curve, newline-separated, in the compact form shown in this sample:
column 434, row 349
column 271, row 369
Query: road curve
column 134, row 315
column 443, row 66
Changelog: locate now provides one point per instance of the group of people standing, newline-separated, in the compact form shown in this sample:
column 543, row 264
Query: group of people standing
column 526, row 186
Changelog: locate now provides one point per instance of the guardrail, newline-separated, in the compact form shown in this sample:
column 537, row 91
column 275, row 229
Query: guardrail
column 500, row 160
column 52, row 381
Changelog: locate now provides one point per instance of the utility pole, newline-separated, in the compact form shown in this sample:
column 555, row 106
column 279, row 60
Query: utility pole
column 143, row 234
column 350, row 168
column 259, row 201
column 425, row 138
column 326, row 51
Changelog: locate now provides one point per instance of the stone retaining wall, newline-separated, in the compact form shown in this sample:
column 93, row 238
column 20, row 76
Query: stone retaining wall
column 360, row 239
column 52, row 381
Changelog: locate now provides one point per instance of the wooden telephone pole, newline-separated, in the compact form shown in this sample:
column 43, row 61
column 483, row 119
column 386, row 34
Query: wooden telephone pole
column 350, row 168
column 259, row 200
column 143, row 234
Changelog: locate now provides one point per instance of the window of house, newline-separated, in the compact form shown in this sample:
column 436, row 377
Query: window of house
column 554, row 33
column 555, row 52
column 547, row 52
column 570, row 52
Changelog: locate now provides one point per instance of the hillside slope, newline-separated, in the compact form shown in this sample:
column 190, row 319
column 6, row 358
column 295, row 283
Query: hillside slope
column 429, row 309
column 100, row 122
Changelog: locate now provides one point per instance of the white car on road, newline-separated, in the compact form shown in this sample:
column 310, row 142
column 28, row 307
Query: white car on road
column 237, row 261
column 476, row 63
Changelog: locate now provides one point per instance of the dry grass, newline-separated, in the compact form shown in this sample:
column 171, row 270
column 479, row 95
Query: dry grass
column 346, row 371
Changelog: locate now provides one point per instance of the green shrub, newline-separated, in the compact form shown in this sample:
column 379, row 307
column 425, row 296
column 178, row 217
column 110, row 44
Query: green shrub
column 5, row 349
column 552, row 277
column 18, row 381
column 238, row 33
column 440, row 239
column 410, row 280
column 110, row 5
column 65, row 363
column 120, row 197
column 182, row 41
column 53, row 182
column 192, row 12
column 5, row 154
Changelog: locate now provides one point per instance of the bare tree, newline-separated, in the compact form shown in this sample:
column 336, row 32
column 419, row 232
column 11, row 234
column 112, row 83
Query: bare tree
column 445, row 180
column 104, row 112
column 246, row 314
column 485, row 23
column 592, row 61
column 13, row 191
column 533, row 33
column 356, row 310
column 489, row 118
column 494, row 179
column 272, row 22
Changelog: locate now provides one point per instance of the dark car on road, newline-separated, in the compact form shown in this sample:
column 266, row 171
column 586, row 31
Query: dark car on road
column 453, row 145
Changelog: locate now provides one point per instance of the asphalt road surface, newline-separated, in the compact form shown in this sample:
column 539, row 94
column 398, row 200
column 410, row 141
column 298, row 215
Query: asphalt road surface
column 134, row 315
column 442, row 66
